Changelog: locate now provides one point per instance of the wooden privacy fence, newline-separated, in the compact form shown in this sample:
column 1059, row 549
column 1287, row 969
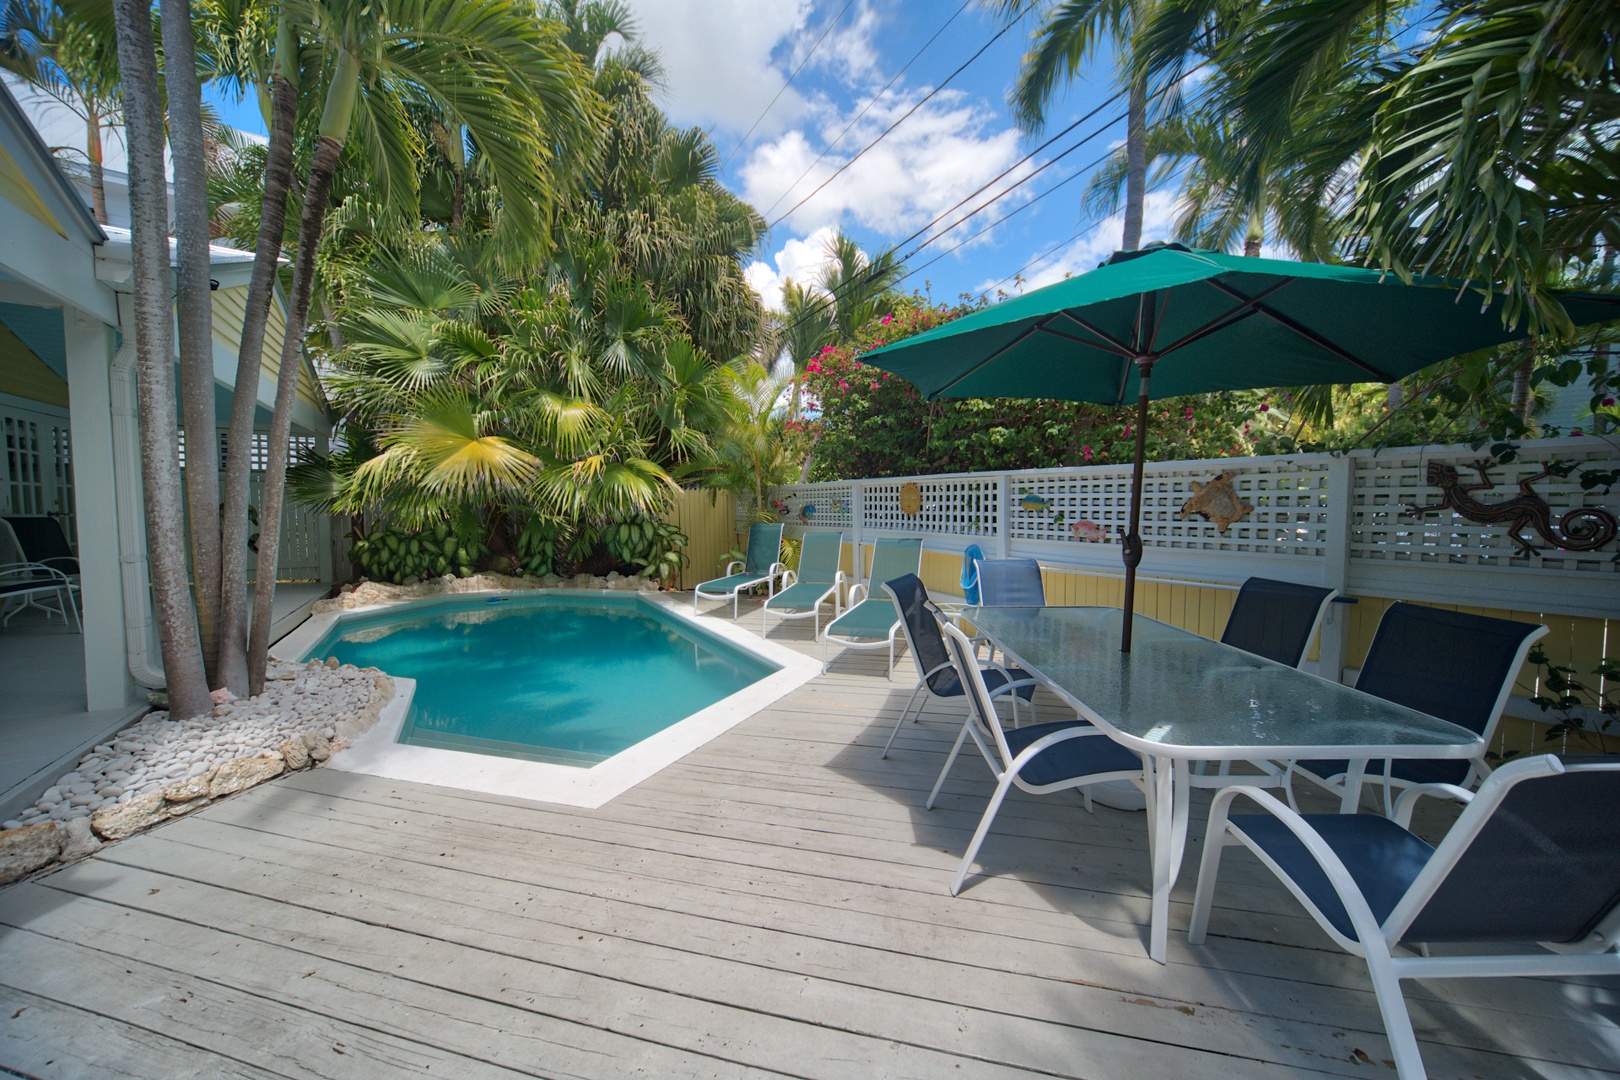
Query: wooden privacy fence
column 1332, row 519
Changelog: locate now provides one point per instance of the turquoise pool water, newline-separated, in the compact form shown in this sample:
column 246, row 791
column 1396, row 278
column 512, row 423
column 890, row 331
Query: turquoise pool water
column 568, row 680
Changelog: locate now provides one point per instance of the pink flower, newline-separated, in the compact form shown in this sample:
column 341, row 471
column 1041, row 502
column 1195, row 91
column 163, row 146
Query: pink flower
column 814, row 367
column 1608, row 401
column 1576, row 431
column 1189, row 412
column 1087, row 451
column 826, row 349
column 842, row 385
column 1265, row 408
column 874, row 386
column 885, row 319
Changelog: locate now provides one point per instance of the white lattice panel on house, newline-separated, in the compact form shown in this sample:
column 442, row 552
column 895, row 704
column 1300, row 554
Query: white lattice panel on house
column 822, row 506
column 949, row 505
column 1387, row 484
column 1288, row 496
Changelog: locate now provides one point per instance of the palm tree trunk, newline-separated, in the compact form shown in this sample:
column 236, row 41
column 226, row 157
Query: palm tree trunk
column 194, row 311
column 334, row 127
column 160, row 462
column 1135, row 165
column 233, row 660
column 98, row 180
column 1521, row 401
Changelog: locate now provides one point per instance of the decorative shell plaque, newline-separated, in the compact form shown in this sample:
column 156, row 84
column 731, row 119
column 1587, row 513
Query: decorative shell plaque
column 910, row 499
column 1216, row 501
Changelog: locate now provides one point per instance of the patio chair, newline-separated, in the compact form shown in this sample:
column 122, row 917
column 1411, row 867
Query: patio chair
column 1276, row 619
column 1531, row 860
column 1011, row 583
column 41, row 539
column 935, row 672
column 761, row 566
column 871, row 621
column 1040, row 759
column 806, row 589
column 28, row 583
column 1451, row 664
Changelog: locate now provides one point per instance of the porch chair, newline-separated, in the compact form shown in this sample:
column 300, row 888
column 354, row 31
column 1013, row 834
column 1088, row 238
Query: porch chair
column 28, row 583
column 806, row 589
column 872, row 621
column 1451, row 664
column 935, row 672
column 1535, row 858
column 1040, row 759
column 761, row 566
column 41, row 539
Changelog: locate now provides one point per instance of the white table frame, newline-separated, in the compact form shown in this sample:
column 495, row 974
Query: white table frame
column 1170, row 781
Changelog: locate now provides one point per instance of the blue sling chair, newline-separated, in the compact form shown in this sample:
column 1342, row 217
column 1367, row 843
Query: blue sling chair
column 805, row 590
column 935, row 672
column 761, row 566
column 1534, row 859
column 1451, row 664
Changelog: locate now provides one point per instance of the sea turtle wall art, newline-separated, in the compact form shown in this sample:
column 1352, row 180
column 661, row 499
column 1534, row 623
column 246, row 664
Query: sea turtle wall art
column 1216, row 501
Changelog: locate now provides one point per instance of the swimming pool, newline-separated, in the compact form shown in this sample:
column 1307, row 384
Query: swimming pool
column 533, row 769
column 565, row 679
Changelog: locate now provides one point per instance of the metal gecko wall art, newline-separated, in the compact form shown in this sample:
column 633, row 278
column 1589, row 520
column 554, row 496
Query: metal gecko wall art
column 1580, row 529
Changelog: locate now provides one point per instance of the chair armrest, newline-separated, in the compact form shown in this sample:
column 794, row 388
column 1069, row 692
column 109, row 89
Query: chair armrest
column 33, row 569
column 853, row 589
column 788, row 578
column 732, row 567
column 1355, row 904
column 778, row 569
column 1408, row 800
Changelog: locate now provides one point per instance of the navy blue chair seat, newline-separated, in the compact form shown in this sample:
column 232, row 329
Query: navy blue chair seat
column 1068, row 760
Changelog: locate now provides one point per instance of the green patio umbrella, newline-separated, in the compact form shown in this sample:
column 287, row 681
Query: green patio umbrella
column 1169, row 320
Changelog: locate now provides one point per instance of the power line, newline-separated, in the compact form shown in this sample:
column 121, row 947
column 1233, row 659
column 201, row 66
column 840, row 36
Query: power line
column 744, row 140
column 884, row 134
column 865, row 109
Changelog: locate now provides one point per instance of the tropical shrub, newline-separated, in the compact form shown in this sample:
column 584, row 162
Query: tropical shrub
column 397, row 555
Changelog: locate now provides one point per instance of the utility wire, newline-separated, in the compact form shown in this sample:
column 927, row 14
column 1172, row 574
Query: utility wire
column 865, row 109
column 884, row 134
column 744, row 140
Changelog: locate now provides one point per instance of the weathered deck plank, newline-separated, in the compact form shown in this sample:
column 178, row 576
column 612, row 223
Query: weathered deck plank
column 772, row 905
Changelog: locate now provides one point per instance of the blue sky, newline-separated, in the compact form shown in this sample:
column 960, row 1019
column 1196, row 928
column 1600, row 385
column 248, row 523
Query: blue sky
column 726, row 59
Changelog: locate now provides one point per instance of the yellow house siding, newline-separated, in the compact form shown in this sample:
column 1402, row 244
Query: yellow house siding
column 25, row 375
column 230, row 309
column 707, row 519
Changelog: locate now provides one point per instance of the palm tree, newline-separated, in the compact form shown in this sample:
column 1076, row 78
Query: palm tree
column 160, row 465
column 194, row 318
column 803, row 330
column 494, row 69
column 1069, row 33
column 74, row 65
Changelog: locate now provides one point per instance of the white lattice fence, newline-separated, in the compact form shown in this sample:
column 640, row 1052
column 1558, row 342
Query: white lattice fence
column 950, row 505
column 1335, row 519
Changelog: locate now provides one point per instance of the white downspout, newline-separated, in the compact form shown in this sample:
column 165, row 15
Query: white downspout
column 145, row 663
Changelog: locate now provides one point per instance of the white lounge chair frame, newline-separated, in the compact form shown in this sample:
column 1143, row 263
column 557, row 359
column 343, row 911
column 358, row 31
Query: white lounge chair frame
column 789, row 579
column 858, row 593
column 53, row 583
column 1596, row 955
column 768, row 579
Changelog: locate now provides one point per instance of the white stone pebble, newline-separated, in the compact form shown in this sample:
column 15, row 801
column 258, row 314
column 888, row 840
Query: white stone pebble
column 155, row 752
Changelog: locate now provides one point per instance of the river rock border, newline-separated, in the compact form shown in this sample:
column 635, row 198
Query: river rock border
column 159, row 769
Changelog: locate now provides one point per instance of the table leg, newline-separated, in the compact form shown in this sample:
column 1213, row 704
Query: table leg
column 1170, row 798
column 1350, row 801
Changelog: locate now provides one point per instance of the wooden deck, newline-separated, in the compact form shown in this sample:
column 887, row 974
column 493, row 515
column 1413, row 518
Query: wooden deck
column 773, row 905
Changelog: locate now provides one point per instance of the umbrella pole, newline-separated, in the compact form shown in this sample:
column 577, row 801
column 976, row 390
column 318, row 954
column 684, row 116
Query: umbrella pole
column 1132, row 552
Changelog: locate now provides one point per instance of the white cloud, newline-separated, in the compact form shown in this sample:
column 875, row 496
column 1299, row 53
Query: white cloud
column 943, row 152
column 799, row 260
column 717, row 56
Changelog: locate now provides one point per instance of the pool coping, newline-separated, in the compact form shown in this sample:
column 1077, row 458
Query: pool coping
column 378, row 752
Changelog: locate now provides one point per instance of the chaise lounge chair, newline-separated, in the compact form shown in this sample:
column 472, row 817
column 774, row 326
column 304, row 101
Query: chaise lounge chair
column 872, row 622
column 761, row 566
column 817, row 578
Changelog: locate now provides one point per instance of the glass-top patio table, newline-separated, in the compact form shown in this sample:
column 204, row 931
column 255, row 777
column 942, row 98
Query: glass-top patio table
column 1177, row 698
